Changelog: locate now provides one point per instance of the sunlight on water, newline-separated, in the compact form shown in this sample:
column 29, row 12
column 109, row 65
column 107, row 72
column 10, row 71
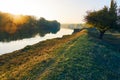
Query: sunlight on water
column 6, row 47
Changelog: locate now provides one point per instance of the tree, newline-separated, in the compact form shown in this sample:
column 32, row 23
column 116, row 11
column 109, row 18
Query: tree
column 100, row 20
column 113, row 14
column 104, row 19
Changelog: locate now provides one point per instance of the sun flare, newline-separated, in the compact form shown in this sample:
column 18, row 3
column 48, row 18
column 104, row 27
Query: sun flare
column 18, row 19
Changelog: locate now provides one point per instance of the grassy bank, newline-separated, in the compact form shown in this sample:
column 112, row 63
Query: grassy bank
column 76, row 57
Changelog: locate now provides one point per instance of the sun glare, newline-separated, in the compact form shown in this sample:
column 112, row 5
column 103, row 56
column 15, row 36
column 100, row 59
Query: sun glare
column 18, row 19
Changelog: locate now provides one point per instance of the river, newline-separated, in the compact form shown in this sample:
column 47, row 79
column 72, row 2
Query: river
column 7, row 47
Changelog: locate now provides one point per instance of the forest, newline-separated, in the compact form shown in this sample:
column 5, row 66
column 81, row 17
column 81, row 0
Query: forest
column 14, row 27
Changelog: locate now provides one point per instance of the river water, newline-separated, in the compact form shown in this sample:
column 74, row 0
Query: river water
column 7, row 47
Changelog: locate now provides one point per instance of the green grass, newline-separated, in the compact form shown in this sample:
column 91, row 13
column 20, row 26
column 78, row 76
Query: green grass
column 86, row 60
column 76, row 57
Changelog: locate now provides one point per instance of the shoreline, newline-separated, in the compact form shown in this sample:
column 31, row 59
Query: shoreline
column 72, row 56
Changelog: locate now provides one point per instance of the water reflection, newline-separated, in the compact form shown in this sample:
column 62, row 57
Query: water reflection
column 6, row 47
column 6, row 37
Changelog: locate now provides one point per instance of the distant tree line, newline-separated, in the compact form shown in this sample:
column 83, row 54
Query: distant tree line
column 14, row 27
column 104, row 19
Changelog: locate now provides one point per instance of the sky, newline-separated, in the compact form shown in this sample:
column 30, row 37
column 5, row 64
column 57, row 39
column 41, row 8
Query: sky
column 64, row 11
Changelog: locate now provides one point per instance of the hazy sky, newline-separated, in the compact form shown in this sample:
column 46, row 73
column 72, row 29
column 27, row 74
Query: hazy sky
column 65, row 11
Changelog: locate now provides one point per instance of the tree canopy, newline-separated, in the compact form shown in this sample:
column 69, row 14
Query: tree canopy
column 104, row 19
column 14, row 27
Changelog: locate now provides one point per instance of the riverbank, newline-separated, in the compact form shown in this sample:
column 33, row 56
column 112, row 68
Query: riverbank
column 79, row 56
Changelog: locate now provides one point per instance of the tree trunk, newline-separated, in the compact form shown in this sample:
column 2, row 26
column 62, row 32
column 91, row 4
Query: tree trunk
column 101, row 34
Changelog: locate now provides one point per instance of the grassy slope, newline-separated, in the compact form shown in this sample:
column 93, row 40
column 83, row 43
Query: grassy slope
column 76, row 57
